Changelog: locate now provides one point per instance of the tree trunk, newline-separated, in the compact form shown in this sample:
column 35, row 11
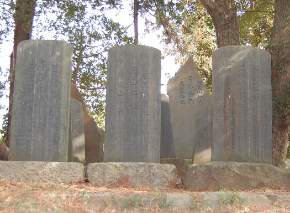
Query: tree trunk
column 225, row 19
column 280, row 52
column 136, row 8
column 23, row 17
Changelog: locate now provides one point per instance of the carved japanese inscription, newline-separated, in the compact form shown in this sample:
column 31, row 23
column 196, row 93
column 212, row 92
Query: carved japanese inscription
column 40, row 121
column 187, row 95
column 242, row 107
column 133, row 106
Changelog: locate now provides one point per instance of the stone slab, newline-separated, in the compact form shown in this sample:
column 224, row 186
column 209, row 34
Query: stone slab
column 179, row 163
column 92, row 135
column 167, row 149
column 203, row 137
column 178, row 202
column 133, row 105
column 76, row 145
column 242, row 105
column 138, row 174
column 236, row 176
column 41, row 171
column 225, row 201
column 41, row 101
column 187, row 95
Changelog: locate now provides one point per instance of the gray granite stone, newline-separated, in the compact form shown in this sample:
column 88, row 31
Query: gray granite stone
column 76, row 146
column 203, row 136
column 41, row 101
column 42, row 171
column 242, row 100
column 167, row 149
column 92, row 134
column 187, row 95
column 133, row 105
column 137, row 174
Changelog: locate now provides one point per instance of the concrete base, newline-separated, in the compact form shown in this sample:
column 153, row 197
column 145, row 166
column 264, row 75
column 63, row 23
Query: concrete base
column 41, row 171
column 134, row 174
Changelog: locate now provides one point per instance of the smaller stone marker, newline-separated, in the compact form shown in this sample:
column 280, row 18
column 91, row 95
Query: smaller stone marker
column 76, row 146
column 92, row 135
column 242, row 105
column 203, row 136
column 133, row 105
column 167, row 149
column 41, row 102
column 187, row 95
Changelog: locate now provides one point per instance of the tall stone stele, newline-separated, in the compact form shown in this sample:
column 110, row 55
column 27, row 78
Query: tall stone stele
column 242, row 105
column 41, row 101
column 187, row 96
column 133, row 105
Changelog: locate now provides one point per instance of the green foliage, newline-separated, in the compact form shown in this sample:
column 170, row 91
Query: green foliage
column 85, row 25
column 188, row 31
column 4, row 130
column 256, row 21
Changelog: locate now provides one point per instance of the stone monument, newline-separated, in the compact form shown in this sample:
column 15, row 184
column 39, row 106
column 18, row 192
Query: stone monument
column 167, row 149
column 92, row 135
column 242, row 100
column 187, row 96
column 133, row 105
column 76, row 145
column 203, row 136
column 41, row 102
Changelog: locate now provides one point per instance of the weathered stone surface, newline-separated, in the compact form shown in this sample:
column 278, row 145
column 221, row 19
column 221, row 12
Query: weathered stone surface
column 179, row 163
column 92, row 135
column 257, row 202
column 242, row 100
column 235, row 176
column 203, row 137
column 4, row 151
column 148, row 174
column 178, row 202
column 167, row 149
column 41, row 101
column 187, row 95
column 99, row 201
column 76, row 145
column 279, row 200
column 205, row 202
column 108, row 202
column 133, row 105
column 101, row 146
column 41, row 171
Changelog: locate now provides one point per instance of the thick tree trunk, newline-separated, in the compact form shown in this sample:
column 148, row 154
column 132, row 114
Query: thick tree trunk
column 225, row 19
column 136, row 8
column 23, row 18
column 280, row 51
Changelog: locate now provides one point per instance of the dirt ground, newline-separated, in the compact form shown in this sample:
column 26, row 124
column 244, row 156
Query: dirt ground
column 66, row 197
